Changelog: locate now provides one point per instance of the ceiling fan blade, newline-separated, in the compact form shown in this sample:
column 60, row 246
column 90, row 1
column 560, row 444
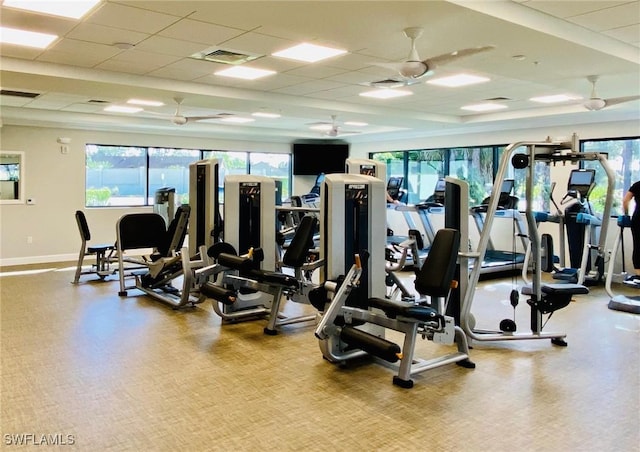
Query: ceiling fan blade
column 620, row 100
column 200, row 118
column 392, row 66
column 452, row 56
column 392, row 82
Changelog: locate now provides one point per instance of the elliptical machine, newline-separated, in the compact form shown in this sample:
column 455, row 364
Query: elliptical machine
column 580, row 225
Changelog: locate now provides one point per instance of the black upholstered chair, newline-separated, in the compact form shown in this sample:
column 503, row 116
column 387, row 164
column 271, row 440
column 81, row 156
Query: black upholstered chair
column 102, row 252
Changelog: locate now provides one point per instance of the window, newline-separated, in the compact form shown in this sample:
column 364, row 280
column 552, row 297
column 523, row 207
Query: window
column 129, row 175
column 474, row 165
column 624, row 159
column 276, row 166
column 115, row 176
column 425, row 168
column 170, row 168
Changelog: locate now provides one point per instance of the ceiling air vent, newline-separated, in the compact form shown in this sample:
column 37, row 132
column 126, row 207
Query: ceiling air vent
column 7, row 92
column 499, row 98
column 98, row 101
column 225, row 56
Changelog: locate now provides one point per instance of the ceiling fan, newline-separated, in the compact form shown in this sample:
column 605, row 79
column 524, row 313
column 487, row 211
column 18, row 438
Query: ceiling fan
column 178, row 119
column 331, row 129
column 596, row 103
column 413, row 67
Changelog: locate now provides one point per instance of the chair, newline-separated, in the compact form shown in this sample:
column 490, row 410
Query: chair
column 102, row 264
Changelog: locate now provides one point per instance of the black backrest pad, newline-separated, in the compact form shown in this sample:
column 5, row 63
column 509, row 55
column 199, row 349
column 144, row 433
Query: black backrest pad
column 296, row 254
column 176, row 232
column 141, row 230
column 82, row 225
column 435, row 276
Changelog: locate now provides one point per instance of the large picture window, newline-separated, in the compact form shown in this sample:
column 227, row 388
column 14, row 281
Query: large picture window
column 624, row 159
column 129, row 175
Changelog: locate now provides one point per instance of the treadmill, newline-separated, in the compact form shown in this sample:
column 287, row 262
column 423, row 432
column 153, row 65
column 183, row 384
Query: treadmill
column 503, row 260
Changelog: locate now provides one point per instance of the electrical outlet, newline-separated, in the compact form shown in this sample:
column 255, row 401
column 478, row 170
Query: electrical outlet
column 29, row 239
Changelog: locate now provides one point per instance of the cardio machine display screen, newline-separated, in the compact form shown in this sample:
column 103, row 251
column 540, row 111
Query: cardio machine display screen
column 581, row 178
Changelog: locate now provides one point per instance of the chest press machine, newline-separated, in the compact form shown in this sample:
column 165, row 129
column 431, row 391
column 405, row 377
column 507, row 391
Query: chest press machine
column 354, row 321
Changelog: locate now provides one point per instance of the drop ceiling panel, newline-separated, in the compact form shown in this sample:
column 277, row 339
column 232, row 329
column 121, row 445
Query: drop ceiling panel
column 186, row 69
column 131, row 18
column 146, row 61
column 630, row 34
column 258, row 43
column 169, row 46
column 166, row 32
column 609, row 18
column 200, row 32
column 101, row 34
column 568, row 9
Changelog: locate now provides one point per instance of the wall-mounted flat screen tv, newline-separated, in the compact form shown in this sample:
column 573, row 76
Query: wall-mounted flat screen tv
column 311, row 159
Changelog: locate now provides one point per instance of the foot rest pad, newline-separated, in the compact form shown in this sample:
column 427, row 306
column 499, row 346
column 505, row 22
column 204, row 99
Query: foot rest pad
column 393, row 309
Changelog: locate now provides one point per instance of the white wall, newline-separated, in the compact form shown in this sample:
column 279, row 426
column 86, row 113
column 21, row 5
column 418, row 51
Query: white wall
column 56, row 181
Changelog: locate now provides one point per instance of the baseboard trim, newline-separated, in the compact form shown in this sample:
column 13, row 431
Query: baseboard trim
column 30, row 260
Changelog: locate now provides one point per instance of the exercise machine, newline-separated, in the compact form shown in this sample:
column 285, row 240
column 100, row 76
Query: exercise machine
column 245, row 284
column 620, row 302
column 508, row 223
column 205, row 223
column 543, row 298
column 354, row 326
column 164, row 203
column 165, row 274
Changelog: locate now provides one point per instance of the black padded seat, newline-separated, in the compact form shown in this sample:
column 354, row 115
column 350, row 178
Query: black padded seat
column 393, row 309
column 557, row 289
column 556, row 296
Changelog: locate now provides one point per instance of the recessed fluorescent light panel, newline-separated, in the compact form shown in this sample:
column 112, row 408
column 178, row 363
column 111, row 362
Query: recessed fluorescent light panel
column 265, row 114
column 237, row 119
column 146, row 103
column 386, row 93
column 455, row 81
column 484, row 107
column 553, row 99
column 73, row 9
column 25, row 38
column 122, row 109
column 309, row 53
column 356, row 123
column 245, row 73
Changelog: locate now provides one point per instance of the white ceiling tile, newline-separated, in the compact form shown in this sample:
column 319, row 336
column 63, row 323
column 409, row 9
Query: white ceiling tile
column 309, row 87
column 186, row 69
column 145, row 59
column 71, row 58
column 131, row 18
column 13, row 101
column 630, row 34
column 92, row 51
column 196, row 31
column 565, row 9
column 84, row 108
column 258, row 43
column 169, row 46
column 613, row 17
column 105, row 35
